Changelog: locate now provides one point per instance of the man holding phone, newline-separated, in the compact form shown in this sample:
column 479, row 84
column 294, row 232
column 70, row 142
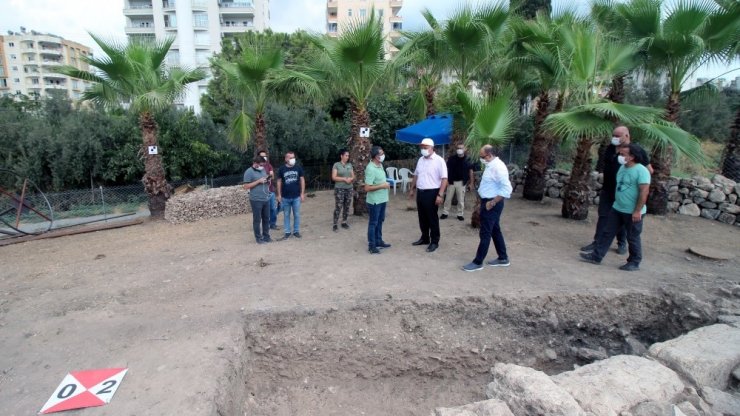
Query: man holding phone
column 257, row 182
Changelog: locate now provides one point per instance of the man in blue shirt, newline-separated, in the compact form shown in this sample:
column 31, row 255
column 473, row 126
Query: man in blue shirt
column 291, row 191
column 633, row 185
column 494, row 188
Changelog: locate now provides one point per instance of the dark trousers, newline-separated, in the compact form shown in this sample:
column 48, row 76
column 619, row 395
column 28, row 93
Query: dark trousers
column 342, row 200
column 261, row 219
column 273, row 209
column 427, row 210
column 616, row 220
column 376, row 212
column 490, row 229
column 606, row 201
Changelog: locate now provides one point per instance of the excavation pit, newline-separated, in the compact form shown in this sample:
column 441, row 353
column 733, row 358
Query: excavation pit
column 406, row 358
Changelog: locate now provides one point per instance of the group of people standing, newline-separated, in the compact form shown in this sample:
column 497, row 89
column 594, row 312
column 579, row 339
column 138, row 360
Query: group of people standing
column 626, row 171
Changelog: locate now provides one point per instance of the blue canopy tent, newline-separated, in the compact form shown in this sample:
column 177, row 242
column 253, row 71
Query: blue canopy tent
column 438, row 127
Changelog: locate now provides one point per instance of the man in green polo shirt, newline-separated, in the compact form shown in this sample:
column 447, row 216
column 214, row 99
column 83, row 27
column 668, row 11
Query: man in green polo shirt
column 376, row 187
column 633, row 185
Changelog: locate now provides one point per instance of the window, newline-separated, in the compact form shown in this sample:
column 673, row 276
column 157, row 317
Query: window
column 75, row 83
column 15, row 68
column 11, row 44
column 13, row 57
column 35, row 81
column 16, row 80
column 202, row 38
column 380, row 13
column 349, row 12
column 362, row 12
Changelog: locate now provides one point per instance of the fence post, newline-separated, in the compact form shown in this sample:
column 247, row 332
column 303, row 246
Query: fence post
column 102, row 198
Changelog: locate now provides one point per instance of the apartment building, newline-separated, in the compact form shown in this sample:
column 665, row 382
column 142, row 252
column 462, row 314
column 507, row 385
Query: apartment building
column 197, row 27
column 26, row 61
column 339, row 13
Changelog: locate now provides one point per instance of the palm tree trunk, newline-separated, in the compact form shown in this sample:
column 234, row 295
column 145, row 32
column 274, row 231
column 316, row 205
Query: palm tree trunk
column 359, row 151
column 429, row 93
column 661, row 159
column 534, row 181
column 260, row 133
column 616, row 93
column 575, row 199
column 731, row 157
column 155, row 183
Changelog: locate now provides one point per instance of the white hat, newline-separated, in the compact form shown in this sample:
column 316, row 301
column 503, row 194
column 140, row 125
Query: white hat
column 427, row 142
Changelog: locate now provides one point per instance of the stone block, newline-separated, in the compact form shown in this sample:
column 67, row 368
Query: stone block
column 683, row 191
column 652, row 408
column 550, row 182
column 691, row 210
column 727, row 218
column 711, row 214
column 737, row 189
column 729, row 208
column 687, row 201
column 688, row 409
column 699, row 193
column 698, row 199
column 732, row 198
column 673, row 188
column 706, row 355
column 673, row 206
column 675, row 196
column 619, row 383
column 717, row 195
column 482, row 408
column 708, row 204
column 687, row 183
column 721, row 402
column 703, row 183
column 726, row 184
column 530, row 392
column 553, row 192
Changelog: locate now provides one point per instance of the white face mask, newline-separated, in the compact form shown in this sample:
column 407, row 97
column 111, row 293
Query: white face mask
column 264, row 157
column 616, row 141
column 425, row 152
column 259, row 167
column 291, row 161
column 483, row 161
column 460, row 152
column 621, row 160
column 381, row 158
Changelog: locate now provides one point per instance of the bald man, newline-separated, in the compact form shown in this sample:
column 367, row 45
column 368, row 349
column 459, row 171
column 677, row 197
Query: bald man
column 609, row 164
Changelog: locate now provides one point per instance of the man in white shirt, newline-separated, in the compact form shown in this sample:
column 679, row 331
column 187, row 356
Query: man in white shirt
column 494, row 188
column 429, row 184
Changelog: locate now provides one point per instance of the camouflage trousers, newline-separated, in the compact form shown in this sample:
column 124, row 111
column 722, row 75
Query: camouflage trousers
column 342, row 200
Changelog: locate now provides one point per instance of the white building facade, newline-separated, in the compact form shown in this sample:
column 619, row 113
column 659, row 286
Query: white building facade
column 197, row 26
column 27, row 59
column 340, row 13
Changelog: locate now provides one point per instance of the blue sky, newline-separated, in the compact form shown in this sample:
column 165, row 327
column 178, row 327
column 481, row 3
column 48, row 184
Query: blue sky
column 72, row 19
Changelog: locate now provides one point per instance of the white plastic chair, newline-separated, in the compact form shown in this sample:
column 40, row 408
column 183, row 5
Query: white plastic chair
column 405, row 175
column 392, row 177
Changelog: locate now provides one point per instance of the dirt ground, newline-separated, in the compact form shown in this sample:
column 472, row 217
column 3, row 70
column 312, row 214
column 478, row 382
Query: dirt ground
column 173, row 303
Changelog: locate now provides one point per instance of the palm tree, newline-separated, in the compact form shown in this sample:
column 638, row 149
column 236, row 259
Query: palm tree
column 135, row 75
column 689, row 35
column 592, row 60
column 351, row 65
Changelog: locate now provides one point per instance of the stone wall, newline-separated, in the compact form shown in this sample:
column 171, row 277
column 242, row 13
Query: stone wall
column 715, row 199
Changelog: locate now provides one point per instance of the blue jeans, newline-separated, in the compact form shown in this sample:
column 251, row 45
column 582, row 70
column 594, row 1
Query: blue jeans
column 490, row 229
column 375, row 224
column 293, row 204
column 273, row 210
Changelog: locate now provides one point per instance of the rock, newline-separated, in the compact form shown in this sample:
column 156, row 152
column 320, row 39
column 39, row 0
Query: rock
column 732, row 198
column 553, row 193
column 673, row 181
column 550, row 182
column 483, row 408
column 703, row 183
column 700, row 193
column 710, row 253
column 729, row 208
column 673, row 206
column 727, row 218
column 675, row 196
column 619, row 383
column 737, row 189
column 673, row 188
column 551, row 354
column 688, row 409
column 691, row 210
column 687, row 201
column 636, row 347
column 711, row 214
column 736, row 373
column 652, row 408
column 683, row 191
column 707, row 204
column 589, row 354
column 726, row 184
column 721, row 402
column 706, row 355
column 530, row 392
column 717, row 195
column 687, row 183
column 698, row 199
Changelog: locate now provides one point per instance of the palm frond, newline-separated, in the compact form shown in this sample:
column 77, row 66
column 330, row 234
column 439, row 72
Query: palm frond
column 494, row 123
column 240, row 130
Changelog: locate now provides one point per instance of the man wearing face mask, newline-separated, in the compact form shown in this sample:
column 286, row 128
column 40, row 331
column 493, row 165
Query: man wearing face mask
column 257, row 182
column 376, row 187
column 609, row 165
column 494, row 187
column 633, row 185
column 273, row 204
column 429, row 184
column 460, row 176
column 291, row 191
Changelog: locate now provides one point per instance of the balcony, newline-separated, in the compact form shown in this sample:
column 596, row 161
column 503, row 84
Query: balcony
column 396, row 4
column 168, row 5
column 51, row 52
column 140, row 27
column 236, row 7
column 200, row 5
column 137, row 9
column 396, row 19
column 236, row 27
column 331, row 18
column 332, row 4
column 200, row 24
